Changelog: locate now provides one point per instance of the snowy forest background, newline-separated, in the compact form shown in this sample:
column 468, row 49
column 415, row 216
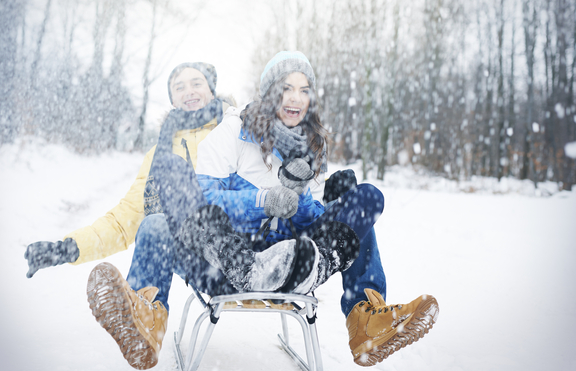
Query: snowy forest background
column 465, row 108
column 456, row 88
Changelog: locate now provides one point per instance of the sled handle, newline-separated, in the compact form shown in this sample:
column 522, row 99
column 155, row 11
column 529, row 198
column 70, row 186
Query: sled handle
column 293, row 229
column 264, row 231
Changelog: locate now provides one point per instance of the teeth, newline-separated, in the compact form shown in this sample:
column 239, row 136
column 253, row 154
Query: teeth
column 293, row 110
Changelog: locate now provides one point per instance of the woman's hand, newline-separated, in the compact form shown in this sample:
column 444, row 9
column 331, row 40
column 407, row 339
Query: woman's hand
column 281, row 202
column 296, row 175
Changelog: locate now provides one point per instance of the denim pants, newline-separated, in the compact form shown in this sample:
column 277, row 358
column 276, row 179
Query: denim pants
column 154, row 263
column 359, row 208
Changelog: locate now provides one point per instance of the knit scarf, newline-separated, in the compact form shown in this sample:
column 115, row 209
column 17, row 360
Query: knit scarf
column 287, row 139
column 177, row 120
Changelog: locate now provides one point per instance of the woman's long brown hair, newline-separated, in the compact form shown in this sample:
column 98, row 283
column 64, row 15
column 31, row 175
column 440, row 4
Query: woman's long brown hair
column 259, row 115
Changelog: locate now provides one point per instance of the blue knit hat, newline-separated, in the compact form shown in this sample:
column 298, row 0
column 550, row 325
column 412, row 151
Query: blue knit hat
column 282, row 63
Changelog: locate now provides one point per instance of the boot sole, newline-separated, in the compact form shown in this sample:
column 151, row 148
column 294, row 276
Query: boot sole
column 110, row 305
column 411, row 330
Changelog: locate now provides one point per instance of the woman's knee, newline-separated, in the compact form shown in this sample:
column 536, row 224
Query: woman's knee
column 371, row 196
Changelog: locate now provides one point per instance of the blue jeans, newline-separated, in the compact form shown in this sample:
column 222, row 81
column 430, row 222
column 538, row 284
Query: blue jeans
column 359, row 208
column 365, row 273
column 154, row 263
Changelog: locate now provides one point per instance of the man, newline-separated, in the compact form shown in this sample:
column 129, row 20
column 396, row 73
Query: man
column 139, row 323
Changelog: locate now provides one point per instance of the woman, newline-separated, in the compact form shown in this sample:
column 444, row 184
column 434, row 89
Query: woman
column 270, row 161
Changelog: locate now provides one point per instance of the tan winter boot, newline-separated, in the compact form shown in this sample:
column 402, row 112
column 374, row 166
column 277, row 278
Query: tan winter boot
column 377, row 330
column 134, row 321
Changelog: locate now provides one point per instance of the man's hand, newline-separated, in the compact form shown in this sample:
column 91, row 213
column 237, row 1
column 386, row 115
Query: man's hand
column 281, row 202
column 44, row 254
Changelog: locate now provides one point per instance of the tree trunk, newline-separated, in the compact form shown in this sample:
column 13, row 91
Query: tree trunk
column 10, row 11
column 562, row 103
column 388, row 119
column 512, row 98
column 38, row 53
column 500, row 129
column 487, row 162
column 139, row 142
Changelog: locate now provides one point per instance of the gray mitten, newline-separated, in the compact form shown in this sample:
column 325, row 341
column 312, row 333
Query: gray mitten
column 281, row 202
column 46, row 254
column 296, row 175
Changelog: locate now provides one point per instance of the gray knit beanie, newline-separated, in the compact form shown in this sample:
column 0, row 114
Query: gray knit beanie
column 207, row 70
column 282, row 63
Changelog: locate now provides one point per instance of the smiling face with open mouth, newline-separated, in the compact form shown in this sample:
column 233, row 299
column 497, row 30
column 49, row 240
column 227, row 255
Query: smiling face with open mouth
column 190, row 90
column 295, row 99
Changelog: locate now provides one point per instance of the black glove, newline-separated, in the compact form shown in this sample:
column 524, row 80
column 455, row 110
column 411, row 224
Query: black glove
column 46, row 254
column 339, row 183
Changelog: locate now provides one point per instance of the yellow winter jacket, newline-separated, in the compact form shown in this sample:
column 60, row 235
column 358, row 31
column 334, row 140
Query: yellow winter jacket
column 116, row 230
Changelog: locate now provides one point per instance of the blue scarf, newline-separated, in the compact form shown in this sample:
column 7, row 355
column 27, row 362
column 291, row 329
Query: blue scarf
column 177, row 120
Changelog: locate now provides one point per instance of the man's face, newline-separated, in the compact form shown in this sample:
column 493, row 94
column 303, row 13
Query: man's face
column 190, row 90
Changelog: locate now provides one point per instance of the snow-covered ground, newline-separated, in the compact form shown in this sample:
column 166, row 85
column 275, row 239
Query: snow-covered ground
column 500, row 259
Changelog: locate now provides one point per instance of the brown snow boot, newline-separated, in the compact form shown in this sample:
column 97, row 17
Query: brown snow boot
column 132, row 318
column 377, row 330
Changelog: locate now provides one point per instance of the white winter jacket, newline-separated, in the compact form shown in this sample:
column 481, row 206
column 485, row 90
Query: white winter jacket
column 233, row 176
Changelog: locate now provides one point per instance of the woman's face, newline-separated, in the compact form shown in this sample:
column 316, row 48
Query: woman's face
column 295, row 99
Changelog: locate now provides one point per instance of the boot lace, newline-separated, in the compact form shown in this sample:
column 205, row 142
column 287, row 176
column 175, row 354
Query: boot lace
column 378, row 309
column 151, row 306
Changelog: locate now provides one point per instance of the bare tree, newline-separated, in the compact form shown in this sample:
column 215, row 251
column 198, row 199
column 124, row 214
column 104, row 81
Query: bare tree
column 371, row 67
column 38, row 53
column 10, row 13
column 139, row 142
column 511, row 122
column 564, row 167
column 392, row 68
column 500, row 134
column 159, row 7
column 530, row 23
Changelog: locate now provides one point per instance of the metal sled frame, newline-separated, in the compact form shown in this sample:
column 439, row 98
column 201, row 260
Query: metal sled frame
column 262, row 302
